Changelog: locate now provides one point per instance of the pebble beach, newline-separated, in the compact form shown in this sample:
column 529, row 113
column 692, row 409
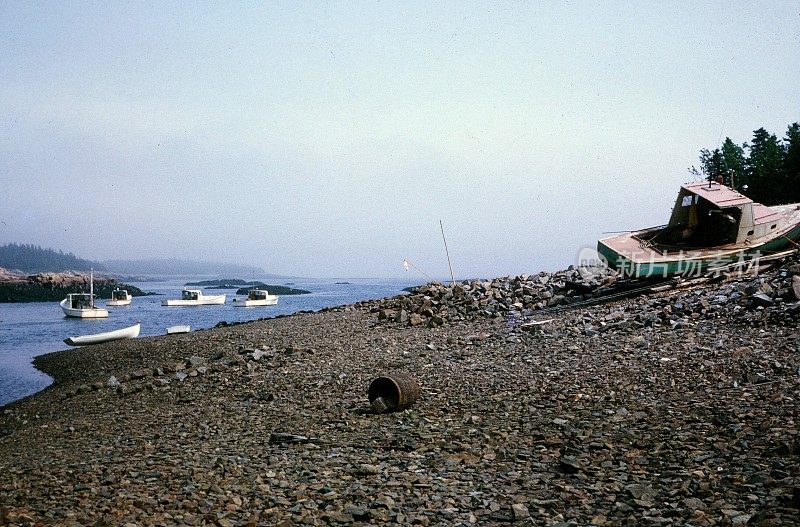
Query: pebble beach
column 673, row 408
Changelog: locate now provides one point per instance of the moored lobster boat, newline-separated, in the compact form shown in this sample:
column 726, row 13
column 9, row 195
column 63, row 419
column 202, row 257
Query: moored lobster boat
column 255, row 298
column 119, row 297
column 130, row 332
column 81, row 305
column 194, row 297
column 711, row 226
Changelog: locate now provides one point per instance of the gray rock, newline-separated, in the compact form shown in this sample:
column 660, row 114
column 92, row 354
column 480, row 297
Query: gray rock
column 762, row 299
column 520, row 511
column 415, row 319
column 194, row 360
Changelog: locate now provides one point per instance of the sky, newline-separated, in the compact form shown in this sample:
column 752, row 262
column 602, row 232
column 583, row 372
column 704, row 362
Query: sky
column 330, row 139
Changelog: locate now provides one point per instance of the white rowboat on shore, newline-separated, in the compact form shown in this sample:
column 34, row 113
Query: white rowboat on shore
column 178, row 329
column 130, row 332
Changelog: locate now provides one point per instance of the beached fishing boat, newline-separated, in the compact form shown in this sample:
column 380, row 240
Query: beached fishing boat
column 194, row 297
column 130, row 332
column 178, row 329
column 119, row 297
column 255, row 298
column 711, row 226
column 81, row 305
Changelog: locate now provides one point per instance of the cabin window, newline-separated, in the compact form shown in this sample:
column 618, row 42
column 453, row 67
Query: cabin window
column 750, row 233
column 687, row 201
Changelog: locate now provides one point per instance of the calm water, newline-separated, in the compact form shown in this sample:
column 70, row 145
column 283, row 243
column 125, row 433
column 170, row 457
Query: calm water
column 28, row 330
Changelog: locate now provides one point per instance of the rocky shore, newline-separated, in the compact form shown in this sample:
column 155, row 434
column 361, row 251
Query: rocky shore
column 674, row 408
column 52, row 286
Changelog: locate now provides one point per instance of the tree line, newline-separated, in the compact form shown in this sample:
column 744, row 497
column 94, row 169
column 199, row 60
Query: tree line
column 33, row 259
column 766, row 170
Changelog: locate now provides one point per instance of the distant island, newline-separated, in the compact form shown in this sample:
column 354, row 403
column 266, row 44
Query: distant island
column 222, row 283
column 236, row 283
column 176, row 267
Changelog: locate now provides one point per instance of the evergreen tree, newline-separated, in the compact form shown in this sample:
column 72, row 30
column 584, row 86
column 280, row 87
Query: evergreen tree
column 712, row 165
column 791, row 164
column 764, row 169
column 733, row 157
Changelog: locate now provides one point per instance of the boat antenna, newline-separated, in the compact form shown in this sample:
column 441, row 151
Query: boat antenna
column 91, row 287
column 452, row 278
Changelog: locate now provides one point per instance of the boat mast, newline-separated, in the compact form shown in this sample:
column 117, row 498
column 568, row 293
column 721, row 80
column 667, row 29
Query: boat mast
column 452, row 278
column 91, row 287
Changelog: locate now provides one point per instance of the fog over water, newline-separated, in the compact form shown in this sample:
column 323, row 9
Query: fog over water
column 316, row 139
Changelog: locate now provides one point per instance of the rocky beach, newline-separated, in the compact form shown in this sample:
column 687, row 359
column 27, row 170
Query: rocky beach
column 678, row 407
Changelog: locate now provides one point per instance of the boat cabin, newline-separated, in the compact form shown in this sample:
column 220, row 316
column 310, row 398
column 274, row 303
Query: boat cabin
column 710, row 215
column 119, row 294
column 257, row 294
column 80, row 300
column 190, row 294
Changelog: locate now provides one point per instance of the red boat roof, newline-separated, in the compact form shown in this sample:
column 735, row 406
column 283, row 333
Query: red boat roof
column 719, row 195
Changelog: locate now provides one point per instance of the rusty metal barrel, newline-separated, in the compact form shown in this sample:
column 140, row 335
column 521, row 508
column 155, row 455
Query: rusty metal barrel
column 398, row 391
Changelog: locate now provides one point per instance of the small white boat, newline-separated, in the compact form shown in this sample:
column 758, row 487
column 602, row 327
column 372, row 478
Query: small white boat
column 256, row 297
column 130, row 332
column 81, row 305
column 119, row 297
column 178, row 329
column 194, row 297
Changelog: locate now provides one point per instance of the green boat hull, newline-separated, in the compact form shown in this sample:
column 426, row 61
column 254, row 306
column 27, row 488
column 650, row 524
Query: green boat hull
column 693, row 266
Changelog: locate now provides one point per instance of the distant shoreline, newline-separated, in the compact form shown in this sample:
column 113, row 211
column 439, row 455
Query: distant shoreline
column 47, row 287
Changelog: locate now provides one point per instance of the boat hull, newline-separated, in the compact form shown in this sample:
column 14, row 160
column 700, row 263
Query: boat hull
column 99, row 338
column 255, row 303
column 625, row 254
column 90, row 312
column 117, row 303
column 178, row 329
column 216, row 300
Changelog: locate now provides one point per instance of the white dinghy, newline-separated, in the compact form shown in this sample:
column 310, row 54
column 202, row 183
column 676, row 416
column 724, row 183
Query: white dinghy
column 130, row 332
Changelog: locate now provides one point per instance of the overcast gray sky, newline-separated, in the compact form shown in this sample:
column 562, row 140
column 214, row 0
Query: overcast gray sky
column 329, row 138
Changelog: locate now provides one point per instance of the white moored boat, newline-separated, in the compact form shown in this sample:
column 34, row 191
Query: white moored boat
column 98, row 338
column 256, row 297
column 194, row 297
column 81, row 305
column 119, row 297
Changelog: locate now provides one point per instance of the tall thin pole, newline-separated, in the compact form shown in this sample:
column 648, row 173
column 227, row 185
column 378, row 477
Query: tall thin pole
column 452, row 278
